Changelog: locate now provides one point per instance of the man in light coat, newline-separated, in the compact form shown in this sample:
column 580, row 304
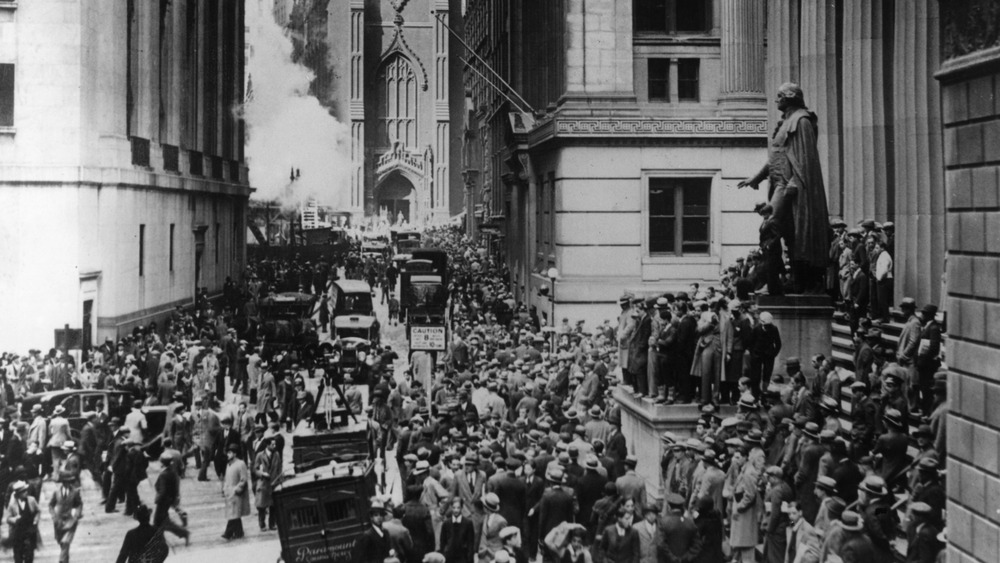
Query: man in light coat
column 236, row 489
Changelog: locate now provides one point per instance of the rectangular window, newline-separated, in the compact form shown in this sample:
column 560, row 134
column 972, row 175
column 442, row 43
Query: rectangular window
column 679, row 213
column 305, row 517
column 659, row 80
column 142, row 249
column 673, row 16
column 688, row 71
column 6, row 95
column 171, row 247
column 651, row 15
column 341, row 510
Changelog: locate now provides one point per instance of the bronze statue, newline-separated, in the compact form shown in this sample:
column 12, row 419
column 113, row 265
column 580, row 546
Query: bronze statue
column 796, row 191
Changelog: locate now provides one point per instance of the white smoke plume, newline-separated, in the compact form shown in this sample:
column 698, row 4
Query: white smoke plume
column 287, row 127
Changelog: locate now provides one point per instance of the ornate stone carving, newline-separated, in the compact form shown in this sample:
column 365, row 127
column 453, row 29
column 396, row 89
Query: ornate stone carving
column 645, row 126
column 399, row 45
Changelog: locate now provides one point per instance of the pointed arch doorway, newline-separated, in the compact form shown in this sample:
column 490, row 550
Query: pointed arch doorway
column 395, row 199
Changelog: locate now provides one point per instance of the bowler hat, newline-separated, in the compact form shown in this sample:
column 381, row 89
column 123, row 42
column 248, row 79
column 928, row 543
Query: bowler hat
column 851, row 521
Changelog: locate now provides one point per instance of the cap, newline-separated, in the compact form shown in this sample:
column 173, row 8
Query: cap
column 908, row 303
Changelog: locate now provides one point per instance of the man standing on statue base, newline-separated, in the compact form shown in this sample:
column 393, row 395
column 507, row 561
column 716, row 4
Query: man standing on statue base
column 796, row 191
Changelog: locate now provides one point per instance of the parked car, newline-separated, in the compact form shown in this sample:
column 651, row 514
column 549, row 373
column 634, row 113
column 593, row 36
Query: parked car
column 110, row 403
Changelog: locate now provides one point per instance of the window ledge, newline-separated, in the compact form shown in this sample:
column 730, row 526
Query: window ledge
column 8, row 5
column 4, row 130
column 681, row 260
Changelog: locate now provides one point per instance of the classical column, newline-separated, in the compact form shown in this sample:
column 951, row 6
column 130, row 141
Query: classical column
column 820, row 80
column 867, row 89
column 442, row 117
column 742, row 53
column 782, row 50
column 920, row 201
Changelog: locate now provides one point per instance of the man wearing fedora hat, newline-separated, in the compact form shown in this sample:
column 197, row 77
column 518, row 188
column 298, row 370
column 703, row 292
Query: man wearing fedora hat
column 855, row 544
column 810, row 453
column 589, row 488
column 891, row 447
column 493, row 523
column 631, row 485
column 468, row 485
column 626, row 326
column 511, row 493
column 58, row 434
column 374, row 543
column 929, row 489
column 831, row 506
column 556, row 506
column 922, row 545
column 22, row 516
column 66, row 508
column 928, row 357
column 778, row 493
column 881, row 521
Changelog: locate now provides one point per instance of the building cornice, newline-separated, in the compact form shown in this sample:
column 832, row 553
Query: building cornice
column 699, row 131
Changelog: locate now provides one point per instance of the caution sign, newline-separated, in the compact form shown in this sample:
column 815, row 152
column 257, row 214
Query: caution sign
column 428, row 337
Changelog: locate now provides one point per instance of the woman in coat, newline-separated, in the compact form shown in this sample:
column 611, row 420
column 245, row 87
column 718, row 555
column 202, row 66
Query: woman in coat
column 267, row 470
column 747, row 508
column 236, row 489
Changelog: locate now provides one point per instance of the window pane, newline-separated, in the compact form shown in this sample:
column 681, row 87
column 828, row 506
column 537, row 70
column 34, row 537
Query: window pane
column 689, row 248
column 687, row 79
column 659, row 79
column 696, row 197
column 695, row 229
column 651, row 15
column 6, row 95
column 661, row 197
column 661, row 235
column 692, row 15
column 338, row 510
column 305, row 517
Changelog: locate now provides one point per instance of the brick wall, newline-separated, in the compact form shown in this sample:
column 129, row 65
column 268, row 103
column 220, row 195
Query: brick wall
column 971, row 115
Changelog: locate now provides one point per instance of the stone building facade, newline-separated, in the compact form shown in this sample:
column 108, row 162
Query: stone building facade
column 391, row 69
column 970, row 102
column 121, row 163
column 619, row 166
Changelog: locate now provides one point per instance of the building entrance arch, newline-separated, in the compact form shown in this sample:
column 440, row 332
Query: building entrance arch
column 395, row 199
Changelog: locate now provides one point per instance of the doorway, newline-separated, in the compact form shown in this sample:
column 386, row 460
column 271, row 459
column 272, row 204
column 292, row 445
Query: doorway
column 395, row 198
column 88, row 311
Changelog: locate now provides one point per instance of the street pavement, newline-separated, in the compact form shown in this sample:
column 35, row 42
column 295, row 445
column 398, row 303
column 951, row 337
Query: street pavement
column 99, row 535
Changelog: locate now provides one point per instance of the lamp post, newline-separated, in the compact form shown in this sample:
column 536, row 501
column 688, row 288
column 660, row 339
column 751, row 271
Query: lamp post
column 553, row 275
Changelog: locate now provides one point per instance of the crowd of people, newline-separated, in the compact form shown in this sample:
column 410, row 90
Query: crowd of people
column 510, row 445
column 517, row 452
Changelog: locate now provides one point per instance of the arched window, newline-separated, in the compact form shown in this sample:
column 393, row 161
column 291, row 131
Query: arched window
column 397, row 109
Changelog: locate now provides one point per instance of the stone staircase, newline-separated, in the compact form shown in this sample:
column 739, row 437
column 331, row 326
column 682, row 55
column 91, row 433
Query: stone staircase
column 843, row 358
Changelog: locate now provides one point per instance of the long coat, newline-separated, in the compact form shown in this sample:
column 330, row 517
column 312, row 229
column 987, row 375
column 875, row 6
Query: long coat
column 236, row 488
column 747, row 510
column 267, row 470
column 796, row 138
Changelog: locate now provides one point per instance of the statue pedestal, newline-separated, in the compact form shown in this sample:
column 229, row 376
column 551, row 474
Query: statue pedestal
column 643, row 421
column 805, row 323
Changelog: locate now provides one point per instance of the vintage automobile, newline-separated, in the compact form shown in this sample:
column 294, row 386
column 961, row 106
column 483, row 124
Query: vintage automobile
column 354, row 310
column 286, row 324
column 322, row 512
column 78, row 402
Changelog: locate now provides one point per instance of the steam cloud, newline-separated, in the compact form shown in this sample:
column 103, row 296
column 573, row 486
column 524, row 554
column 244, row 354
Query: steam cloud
column 287, row 127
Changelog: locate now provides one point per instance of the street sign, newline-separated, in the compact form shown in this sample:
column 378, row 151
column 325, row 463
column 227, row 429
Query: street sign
column 428, row 337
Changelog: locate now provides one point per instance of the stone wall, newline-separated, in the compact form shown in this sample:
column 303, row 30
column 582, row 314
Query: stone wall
column 971, row 116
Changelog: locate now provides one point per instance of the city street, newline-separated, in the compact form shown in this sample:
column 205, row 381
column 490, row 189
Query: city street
column 99, row 535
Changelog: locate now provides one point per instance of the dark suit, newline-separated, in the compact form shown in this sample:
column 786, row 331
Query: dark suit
column 764, row 346
column 619, row 548
column 513, row 498
column 458, row 540
column 555, row 508
column 371, row 547
column 805, row 480
column 638, row 356
column 679, row 539
column 589, row 490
